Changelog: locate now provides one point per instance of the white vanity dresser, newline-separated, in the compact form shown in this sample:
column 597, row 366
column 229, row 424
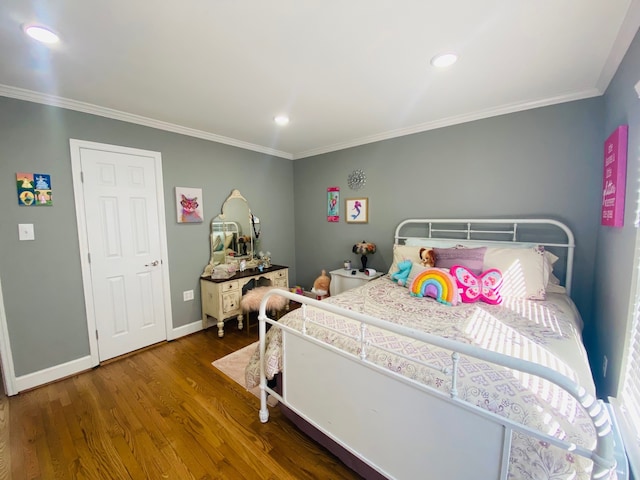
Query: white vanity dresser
column 221, row 297
column 232, row 239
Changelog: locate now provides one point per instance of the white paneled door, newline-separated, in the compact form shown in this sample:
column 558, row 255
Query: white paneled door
column 124, row 226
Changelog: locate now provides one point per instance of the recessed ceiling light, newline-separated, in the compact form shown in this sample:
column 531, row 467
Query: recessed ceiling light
column 281, row 119
column 42, row 34
column 444, row 60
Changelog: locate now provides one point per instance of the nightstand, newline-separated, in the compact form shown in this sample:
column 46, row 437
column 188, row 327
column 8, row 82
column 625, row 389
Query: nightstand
column 342, row 280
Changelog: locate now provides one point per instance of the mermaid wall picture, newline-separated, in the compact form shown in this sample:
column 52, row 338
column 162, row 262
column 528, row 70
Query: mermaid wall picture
column 357, row 210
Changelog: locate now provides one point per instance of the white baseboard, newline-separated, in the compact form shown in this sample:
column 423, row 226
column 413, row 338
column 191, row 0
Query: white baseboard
column 184, row 330
column 51, row 374
column 73, row 367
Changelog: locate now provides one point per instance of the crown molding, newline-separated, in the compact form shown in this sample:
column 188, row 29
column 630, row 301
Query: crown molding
column 55, row 101
column 450, row 121
column 52, row 100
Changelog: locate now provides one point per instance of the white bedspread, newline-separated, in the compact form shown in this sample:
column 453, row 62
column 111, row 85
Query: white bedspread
column 546, row 332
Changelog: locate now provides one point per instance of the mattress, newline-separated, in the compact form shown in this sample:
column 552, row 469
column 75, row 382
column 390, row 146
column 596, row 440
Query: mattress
column 547, row 332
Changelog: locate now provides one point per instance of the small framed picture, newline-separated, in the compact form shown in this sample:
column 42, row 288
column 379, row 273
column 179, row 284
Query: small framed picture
column 333, row 204
column 357, row 210
column 189, row 205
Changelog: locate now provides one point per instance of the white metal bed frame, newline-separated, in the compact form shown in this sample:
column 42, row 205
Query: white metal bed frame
column 369, row 390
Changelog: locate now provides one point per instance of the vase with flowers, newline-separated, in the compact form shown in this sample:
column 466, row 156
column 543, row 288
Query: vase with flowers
column 363, row 249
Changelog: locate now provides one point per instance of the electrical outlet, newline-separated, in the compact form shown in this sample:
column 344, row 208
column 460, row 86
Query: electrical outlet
column 187, row 295
column 605, row 364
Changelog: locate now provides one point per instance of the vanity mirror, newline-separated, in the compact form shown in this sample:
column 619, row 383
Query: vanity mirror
column 232, row 233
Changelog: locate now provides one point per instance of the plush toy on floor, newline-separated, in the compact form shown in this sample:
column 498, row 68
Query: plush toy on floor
column 321, row 285
column 402, row 274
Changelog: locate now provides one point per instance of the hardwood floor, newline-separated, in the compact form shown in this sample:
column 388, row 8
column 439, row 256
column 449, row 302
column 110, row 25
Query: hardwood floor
column 164, row 412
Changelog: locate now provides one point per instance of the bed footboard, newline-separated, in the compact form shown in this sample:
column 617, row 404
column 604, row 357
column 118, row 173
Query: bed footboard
column 401, row 427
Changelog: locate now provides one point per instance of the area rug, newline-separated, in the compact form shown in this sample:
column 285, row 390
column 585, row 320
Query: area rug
column 233, row 366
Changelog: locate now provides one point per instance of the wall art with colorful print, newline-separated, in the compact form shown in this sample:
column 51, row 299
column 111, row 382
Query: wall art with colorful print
column 189, row 205
column 34, row 189
column 357, row 210
column 333, row 204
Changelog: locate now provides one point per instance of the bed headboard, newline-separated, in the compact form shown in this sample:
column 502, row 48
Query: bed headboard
column 552, row 234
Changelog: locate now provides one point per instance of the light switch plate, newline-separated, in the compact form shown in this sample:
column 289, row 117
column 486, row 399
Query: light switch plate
column 26, row 232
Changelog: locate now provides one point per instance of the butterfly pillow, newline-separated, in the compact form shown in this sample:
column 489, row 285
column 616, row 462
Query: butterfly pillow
column 472, row 287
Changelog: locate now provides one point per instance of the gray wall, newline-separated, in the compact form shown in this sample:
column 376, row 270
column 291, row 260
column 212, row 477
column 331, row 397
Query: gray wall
column 41, row 280
column 616, row 246
column 544, row 162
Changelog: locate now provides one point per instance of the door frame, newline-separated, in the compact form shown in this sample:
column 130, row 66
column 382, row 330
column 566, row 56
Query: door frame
column 76, row 147
column 6, row 356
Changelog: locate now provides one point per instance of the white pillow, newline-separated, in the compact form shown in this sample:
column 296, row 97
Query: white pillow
column 403, row 252
column 525, row 271
column 217, row 244
column 416, row 269
column 549, row 260
column 554, row 285
column 228, row 239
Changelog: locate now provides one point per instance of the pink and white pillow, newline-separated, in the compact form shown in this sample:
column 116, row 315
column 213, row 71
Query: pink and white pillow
column 484, row 287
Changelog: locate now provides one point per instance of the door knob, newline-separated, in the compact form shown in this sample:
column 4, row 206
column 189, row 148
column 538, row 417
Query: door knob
column 152, row 264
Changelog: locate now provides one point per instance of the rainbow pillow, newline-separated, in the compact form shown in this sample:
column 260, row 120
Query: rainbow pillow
column 435, row 283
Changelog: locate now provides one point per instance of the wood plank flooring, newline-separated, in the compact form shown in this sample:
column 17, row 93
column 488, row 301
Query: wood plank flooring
column 164, row 412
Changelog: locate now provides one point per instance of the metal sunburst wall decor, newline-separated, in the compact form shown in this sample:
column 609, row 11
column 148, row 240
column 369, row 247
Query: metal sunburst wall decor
column 356, row 180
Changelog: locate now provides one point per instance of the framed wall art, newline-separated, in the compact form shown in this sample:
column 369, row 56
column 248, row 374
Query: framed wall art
column 333, row 204
column 34, row 189
column 189, row 205
column 357, row 210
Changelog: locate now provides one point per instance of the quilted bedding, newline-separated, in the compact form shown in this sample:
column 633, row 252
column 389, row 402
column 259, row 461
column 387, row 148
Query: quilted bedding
column 547, row 332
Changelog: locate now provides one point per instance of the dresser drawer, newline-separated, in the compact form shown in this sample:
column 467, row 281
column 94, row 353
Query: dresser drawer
column 230, row 302
column 280, row 278
column 279, row 274
column 229, row 286
column 281, row 282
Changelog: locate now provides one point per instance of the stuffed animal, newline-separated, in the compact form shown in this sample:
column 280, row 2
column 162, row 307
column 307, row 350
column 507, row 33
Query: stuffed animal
column 402, row 274
column 321, row 284
column 427, row 257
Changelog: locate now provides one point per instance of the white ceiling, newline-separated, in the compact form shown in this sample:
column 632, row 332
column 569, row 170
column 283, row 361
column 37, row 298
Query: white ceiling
column 347, row 72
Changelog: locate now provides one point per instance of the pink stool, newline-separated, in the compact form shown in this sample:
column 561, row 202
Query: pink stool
column 250, row 302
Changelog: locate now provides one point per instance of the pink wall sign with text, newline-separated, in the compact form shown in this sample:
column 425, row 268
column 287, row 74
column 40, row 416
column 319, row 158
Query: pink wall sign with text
column 614, row 177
